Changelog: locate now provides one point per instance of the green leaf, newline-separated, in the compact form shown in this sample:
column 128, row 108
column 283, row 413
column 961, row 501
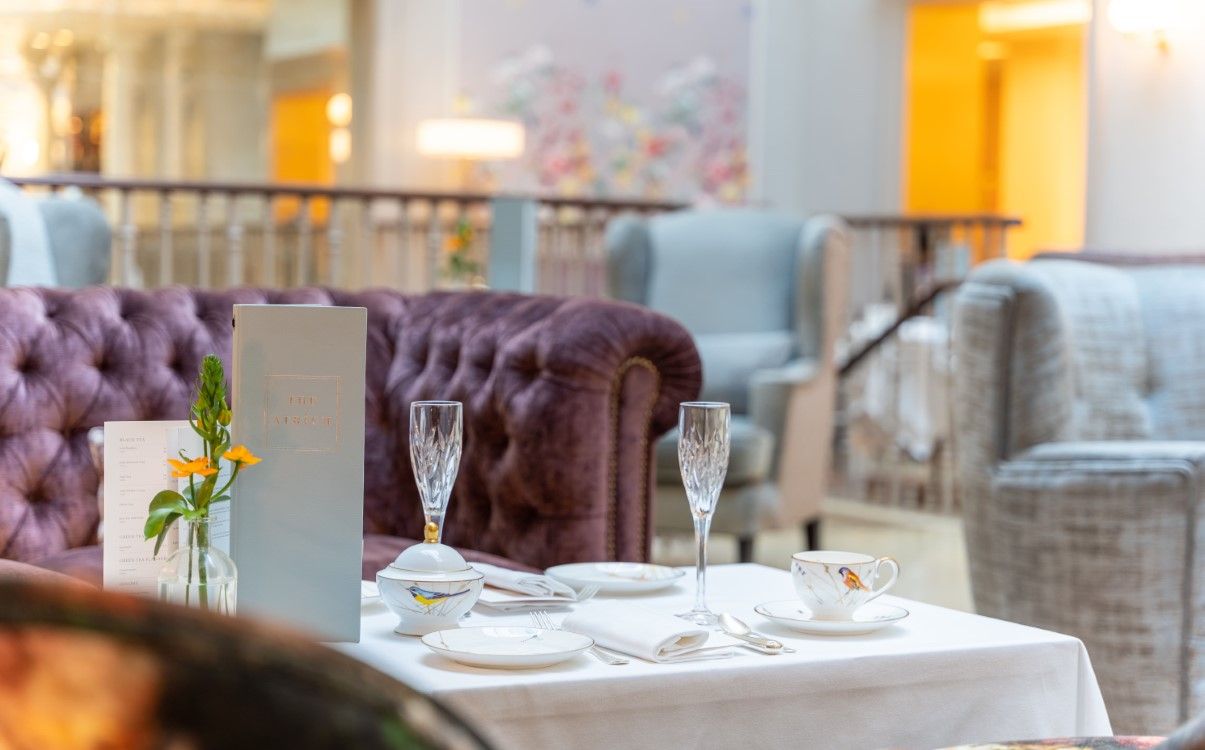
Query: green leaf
column 162, row 507
column 219, row 499
column 166, row 499
column 171, row 519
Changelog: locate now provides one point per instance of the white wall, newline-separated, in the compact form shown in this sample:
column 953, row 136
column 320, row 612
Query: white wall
column 405, row 57
column 826, row 99
column 1146, row 137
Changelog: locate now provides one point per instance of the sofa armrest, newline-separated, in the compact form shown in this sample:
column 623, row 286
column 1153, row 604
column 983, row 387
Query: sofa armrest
column 1098, row 539
column 795, row 403
column 563, row 399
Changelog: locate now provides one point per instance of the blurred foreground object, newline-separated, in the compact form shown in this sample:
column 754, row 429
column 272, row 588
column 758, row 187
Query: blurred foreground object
column 85, row 669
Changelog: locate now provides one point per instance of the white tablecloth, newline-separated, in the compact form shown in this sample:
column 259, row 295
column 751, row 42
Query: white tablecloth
column 937, row 678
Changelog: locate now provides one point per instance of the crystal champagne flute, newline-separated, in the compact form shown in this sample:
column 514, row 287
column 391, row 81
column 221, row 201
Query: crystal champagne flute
column 435, row 434
column 703, row 457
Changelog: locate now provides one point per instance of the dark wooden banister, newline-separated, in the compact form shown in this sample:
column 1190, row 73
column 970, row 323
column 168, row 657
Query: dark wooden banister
column 914, row 309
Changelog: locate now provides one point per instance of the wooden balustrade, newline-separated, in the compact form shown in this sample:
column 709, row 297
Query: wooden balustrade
column 229, row 233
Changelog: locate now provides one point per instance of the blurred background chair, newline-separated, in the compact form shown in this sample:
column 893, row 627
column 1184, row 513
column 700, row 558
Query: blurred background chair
column 1080, row 421
column 762, row 295
column 84, row 669
column 77, row 237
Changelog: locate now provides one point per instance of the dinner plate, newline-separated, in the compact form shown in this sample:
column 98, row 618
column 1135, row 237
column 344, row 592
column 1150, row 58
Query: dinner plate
column 793, row 614
column 617, row 577
column 500, row 647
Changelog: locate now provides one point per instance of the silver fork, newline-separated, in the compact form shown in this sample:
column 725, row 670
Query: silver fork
column 544, row 620
column 587, row 592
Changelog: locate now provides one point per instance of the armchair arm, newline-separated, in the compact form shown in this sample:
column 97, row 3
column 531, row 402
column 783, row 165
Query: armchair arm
column 1098, row 539
column 563, row 401
column 795, row 403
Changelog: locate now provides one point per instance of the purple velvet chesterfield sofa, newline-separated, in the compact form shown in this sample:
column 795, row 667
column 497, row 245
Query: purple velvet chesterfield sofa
column 564, row 399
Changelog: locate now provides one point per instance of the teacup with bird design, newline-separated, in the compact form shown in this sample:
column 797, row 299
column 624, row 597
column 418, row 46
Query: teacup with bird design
column 834, row 584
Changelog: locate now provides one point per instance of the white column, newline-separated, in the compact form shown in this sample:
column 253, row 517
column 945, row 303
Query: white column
column 171, row 103
column 406, row 56
column 117, row 98
column 825, row 104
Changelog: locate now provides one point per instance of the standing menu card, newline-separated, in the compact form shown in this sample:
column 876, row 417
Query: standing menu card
column 297, row 519
column 136, row 469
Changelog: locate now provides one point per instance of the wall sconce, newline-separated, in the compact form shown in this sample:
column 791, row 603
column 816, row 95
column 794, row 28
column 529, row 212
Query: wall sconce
column 1144, row 19
column 338, row 114
column 339, row 145
column 338, row 109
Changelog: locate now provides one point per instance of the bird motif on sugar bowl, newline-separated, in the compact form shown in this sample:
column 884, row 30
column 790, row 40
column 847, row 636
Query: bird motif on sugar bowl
column 851, row 579
column 431, row 598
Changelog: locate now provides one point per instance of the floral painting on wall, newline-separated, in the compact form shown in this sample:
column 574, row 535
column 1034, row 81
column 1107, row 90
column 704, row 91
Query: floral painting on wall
column 619, row 98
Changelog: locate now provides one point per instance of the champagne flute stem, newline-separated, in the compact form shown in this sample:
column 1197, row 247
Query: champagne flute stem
column 702, row 530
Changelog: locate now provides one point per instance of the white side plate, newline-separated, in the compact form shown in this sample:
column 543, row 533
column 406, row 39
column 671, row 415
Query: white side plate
column 617, row 577
column 500, row 647
column 792, row 614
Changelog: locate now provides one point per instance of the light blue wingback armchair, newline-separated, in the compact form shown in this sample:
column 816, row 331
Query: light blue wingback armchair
column 79, row 241
column 762, row 295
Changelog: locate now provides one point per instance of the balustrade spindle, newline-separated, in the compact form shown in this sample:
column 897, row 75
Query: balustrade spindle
column 334, row 245
column 301, row 272
column 270, row 262
column 434, row 241
column 125, row 275
column 234, row 242
column 401, row 249
column 203, row 263
column 167, row 258
column 368, row 242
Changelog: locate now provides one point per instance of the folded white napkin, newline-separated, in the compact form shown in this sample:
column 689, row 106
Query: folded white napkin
column 630, row 629
column 509, row 601
column 532, row 584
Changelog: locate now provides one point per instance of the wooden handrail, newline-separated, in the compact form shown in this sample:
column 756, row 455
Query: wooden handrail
column 915, row 308
column 308, row 190
column 866, row 221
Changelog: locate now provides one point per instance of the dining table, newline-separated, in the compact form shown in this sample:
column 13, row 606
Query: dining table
column 937, row 678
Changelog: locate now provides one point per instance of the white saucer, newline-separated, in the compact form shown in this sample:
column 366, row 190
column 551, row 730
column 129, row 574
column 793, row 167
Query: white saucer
column 867, row 619
column 501, row 647
column 617, row 577
column 369, row 592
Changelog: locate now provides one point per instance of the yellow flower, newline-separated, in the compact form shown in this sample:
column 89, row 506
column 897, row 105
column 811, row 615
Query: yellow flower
column 181, row 469
column 242, row 455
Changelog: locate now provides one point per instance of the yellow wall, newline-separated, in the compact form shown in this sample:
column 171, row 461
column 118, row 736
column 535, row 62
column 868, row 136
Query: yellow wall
column 1005, row 134
column 300, row 149
column 945, row 134
column 1042, row 140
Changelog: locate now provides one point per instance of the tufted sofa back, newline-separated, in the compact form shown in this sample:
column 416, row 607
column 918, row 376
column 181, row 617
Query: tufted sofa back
column 562, row 399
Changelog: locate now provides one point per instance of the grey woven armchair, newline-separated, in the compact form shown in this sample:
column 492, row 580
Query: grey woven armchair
column 1080, row 418
column 762, row 295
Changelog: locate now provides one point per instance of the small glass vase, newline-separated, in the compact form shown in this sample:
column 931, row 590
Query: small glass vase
column 197, row 575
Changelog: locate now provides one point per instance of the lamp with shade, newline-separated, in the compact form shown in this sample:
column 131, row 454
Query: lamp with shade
column 470, row 139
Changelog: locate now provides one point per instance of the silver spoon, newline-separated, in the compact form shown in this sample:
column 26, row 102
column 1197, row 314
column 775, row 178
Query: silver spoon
column 741, row 631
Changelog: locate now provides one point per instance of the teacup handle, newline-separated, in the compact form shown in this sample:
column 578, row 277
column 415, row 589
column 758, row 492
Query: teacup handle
column 895, row 573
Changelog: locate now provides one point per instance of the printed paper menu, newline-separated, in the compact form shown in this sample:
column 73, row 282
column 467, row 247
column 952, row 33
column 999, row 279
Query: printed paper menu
column 136, row 470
